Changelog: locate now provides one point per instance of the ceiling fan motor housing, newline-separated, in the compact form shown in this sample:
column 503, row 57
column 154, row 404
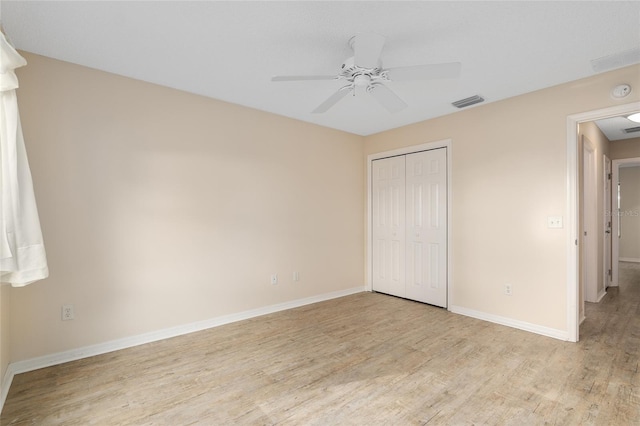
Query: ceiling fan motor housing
column 360, row 76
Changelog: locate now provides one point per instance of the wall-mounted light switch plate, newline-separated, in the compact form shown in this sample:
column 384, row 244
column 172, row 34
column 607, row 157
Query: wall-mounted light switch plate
column 554, row 222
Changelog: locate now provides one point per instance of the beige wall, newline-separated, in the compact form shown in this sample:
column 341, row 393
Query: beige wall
column 161, row 208
column 4, row 332
column 626, row 148
column 509, row 175
column 601, row 146
column 630, row 213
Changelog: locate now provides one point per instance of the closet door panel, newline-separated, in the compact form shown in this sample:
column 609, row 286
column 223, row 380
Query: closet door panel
column 426, row 228
column 389, row 242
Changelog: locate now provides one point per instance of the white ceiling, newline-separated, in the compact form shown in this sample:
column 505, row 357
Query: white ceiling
column 613, row 128
column 230, row 50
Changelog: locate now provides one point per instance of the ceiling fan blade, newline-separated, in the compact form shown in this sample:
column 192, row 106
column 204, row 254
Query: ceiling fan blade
column 303, row 77
column 386, row 97
column 367, row 49
column 425, row 72
column 333, row 99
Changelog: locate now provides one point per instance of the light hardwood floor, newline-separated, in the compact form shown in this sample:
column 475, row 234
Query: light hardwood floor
column 365, row 359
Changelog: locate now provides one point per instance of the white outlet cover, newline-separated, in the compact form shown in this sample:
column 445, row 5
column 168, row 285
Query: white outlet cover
column 68, row 313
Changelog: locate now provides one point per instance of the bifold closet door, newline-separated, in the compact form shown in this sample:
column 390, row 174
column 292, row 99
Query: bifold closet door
column 426, row 224
column 410, row 226
column 389, row 225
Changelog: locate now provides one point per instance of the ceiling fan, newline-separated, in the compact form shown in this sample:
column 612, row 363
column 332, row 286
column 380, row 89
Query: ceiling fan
column 364, row 70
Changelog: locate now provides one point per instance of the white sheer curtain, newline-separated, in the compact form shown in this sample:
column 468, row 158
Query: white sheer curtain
column 22, row 256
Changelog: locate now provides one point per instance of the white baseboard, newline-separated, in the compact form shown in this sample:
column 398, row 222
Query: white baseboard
column 127, row 342
column 5, row 385
column 602, row 294
column 509, row 322
column 629, row 259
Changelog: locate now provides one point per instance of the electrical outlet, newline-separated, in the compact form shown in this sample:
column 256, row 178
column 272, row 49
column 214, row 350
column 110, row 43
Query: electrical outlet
column 296, row 276
column 274, row 279
column 68, row 313
column 508, row 290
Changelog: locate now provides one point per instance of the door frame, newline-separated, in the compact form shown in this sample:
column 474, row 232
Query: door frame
column 446, row 143
column 615, row 230
column 572, row 287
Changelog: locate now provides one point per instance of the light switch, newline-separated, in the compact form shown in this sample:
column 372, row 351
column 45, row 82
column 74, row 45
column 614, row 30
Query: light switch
column 554, row 222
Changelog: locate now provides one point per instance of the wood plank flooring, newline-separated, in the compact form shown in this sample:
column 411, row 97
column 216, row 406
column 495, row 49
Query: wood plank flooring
column 366, row 359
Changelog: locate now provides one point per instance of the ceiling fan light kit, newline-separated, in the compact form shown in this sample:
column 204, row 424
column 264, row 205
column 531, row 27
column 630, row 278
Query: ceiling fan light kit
column 364, row 69
column 634, row 117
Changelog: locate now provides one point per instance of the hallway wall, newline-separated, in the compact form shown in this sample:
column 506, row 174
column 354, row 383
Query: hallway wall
column 630, row 214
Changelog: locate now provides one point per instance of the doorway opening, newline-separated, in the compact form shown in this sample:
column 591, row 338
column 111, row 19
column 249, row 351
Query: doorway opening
column 624, row 215
column 574, row 264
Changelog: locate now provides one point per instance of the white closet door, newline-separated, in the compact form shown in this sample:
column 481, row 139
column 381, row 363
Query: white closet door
column 426, row 241
column 389, row 225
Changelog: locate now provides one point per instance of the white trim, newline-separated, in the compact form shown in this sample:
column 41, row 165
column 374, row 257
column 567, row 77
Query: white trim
column 445, row 143
column 629, row 259
column 573, row 321
column 141, row 339
column 601, row 294
column 6, row 384
column 509, row 322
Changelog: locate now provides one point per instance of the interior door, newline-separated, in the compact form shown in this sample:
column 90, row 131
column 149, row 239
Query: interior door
column 608, row 207
column 389, row 225
column 426, row 264
column 409, row 232
column 589, row 224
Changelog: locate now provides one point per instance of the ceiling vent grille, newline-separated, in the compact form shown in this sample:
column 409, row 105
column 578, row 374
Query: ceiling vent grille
column 462, row 103
column 632, row 129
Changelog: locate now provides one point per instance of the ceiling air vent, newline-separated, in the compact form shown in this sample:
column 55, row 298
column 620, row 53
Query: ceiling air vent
column 632, row 129
column 462, row 103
